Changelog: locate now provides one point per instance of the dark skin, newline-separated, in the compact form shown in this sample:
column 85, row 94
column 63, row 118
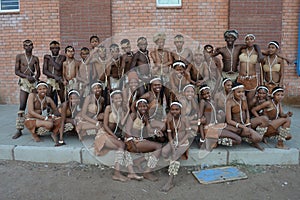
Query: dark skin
column 235, row 49
column 22, row 70
column 54, row 63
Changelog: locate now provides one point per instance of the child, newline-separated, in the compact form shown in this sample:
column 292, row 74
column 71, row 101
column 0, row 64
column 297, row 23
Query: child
column 83, row 76
column 141, row 61
column 178, row 130
column 70, row 69
column 127, row 56
column 114, row 69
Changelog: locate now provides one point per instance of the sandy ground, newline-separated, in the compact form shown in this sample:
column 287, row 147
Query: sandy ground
column 24, row 180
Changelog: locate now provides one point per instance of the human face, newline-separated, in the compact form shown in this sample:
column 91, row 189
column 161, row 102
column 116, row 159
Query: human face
column 189, row 93
column 97, row 90
column 175, row 110
column 102, row 53
column 28, row 47
column 160, row 43
column 143, row 45
column 249, row 41
column 84, row 54
column 230, row 39
column 142, row 108
column 117, row 99
column 179, row 44
column 209, row 49
column 156, row 86
column 54, row 50
column 228, row 86
column 262, row 94
column 115, row 53
column 126, row 49
column 133, row 84
column 94, row 42
column 42, row 90
column 70, row 53
column 272, row 49
column 278, row 96
column 74, row 99
column 198, row 58
column 179, row 70
column 239, row 93
column 205, row 94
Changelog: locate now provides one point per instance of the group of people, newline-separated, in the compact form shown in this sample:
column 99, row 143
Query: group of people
column 155, row 102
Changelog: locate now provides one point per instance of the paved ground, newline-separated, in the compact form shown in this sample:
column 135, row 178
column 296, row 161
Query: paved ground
column 25, row 149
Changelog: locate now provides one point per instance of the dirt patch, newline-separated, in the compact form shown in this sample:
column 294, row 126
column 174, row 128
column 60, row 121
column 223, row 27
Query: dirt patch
column 25, row 180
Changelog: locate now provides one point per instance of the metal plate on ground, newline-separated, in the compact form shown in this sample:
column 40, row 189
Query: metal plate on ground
column 219, row 175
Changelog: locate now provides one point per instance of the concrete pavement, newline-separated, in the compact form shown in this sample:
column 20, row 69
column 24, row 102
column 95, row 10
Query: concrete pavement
column 25, row 149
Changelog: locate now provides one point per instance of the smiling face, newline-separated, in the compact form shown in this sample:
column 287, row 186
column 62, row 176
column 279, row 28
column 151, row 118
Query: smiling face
column 142, row 108
column 230, row 39
column 228, row 86
column 117, row 99
column 205, row 94
column 239, row 93
column 133, row 84
column 42, row 90
column 175, row 110
column 156, row 86
column 262, row 94
column 97, row 90
column 189, row 93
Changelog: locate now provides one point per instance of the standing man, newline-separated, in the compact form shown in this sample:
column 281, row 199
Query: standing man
column 27, row 67
column 53, row 69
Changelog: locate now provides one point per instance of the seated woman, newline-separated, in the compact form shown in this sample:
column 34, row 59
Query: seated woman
column 91, row 114
column 238, row 117
column 211, row 131
column 221, row 98
column 132, row 91
column 261, row 96
column 179, row 78
column 179, row 131
column 69, row 110
column 110, row 137
column 139, row 138
column 279, row 125
column 157, row 103
column 190, row 106
column 39, row 120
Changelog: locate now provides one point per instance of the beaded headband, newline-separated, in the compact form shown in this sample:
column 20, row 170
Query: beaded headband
column 224, row 81
column 40, row 84
column 189, row 85
column 155, row 79
column 176, row 103
column 277, row 90
column 140, row 100
column 249, row 35
column 73, row 91
column 262, row 87
column 237, row 87
column 204, row 88
column 179, row 63
column 97, row 83
column 115, row 92
column 274, row 43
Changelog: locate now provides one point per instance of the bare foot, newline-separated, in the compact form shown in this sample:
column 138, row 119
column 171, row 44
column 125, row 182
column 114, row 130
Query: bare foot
column 280, row 145
column 167, row 187
column 135, row 176
column 265, row 140
column 137, row 163
column 256, row 145
column 54, row 138
column 36, row 138
column 120, row 177
column 17, row 134
column 150, row 176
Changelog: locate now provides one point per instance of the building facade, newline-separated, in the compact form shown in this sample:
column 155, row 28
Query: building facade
column 72, row 22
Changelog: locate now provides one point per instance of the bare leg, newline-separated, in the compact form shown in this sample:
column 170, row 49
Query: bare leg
column 20, row 119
